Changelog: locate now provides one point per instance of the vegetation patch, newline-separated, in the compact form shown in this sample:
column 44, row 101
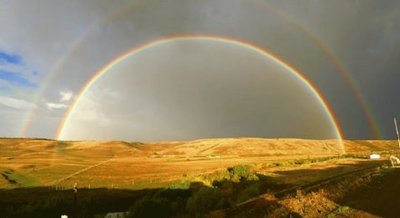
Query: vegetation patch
column 311, row 160
column 135, row 144
column 61, row 146
column 17, row 178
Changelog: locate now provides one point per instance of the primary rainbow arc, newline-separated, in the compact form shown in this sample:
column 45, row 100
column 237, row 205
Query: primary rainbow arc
column 262, row 51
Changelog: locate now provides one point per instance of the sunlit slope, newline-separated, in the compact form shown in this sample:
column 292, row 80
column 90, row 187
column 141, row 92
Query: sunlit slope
column 360, row 146
column 248, row 147
column 38, row 162
column 266, row 147
column 24, row 148
column 32, row 162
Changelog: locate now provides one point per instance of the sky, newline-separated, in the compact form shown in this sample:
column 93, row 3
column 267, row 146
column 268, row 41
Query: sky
column 49, row 50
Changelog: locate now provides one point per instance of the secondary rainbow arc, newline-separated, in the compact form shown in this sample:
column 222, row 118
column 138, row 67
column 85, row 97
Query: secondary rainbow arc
column 262, row 4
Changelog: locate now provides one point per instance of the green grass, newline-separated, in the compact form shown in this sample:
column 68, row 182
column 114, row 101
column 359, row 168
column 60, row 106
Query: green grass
column 310, row 160
column 24, row 179
column 339, row 211
column 19, row 178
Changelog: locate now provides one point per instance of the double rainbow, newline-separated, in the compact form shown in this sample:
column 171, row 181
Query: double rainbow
column 261, row 4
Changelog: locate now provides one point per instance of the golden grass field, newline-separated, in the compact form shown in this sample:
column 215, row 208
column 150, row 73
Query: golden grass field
column 134, row 165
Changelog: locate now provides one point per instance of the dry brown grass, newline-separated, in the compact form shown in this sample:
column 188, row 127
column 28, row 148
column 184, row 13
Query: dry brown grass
column 140, row 165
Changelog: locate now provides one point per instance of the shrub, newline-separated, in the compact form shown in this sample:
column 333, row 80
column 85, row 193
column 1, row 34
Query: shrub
column 240, row 170
column 163, row 203
column 249, row 192
column 204, row 200
column 151, row 207
column 180, row 185
column 237, row 173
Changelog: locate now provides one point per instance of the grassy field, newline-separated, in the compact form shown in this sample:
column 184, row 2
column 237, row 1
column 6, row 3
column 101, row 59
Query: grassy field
column 237, row 168
column 133, row 165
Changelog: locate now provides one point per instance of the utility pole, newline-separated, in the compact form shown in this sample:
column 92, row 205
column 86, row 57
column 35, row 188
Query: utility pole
column 397, row 131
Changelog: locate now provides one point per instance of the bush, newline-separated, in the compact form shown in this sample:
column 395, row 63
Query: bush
column 204, row 200
column 237, row 173
column 240, row 170
column 151, row 207
column 163, row 203
column 249, row 192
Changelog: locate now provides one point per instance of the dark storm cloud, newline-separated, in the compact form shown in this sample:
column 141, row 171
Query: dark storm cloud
column 364, row 35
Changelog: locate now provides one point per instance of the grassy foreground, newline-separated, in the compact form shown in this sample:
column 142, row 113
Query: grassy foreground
column 178, row 178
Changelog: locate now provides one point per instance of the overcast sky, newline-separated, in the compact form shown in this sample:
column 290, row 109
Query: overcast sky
column 50, row 49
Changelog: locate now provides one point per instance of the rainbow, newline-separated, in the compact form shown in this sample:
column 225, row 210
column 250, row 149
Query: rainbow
column 262, row 4
column 153, row 43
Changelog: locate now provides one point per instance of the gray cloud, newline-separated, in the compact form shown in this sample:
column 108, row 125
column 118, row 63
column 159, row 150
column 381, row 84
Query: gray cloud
column 364, row 35
column 186, row 90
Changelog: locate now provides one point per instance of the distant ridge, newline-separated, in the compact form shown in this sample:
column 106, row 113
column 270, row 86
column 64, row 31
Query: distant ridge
column 212, row 146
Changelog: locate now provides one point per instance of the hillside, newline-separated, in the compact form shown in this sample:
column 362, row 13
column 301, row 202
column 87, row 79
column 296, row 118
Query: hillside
column 11, row 148
column 109, row 171
column 33, row 162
